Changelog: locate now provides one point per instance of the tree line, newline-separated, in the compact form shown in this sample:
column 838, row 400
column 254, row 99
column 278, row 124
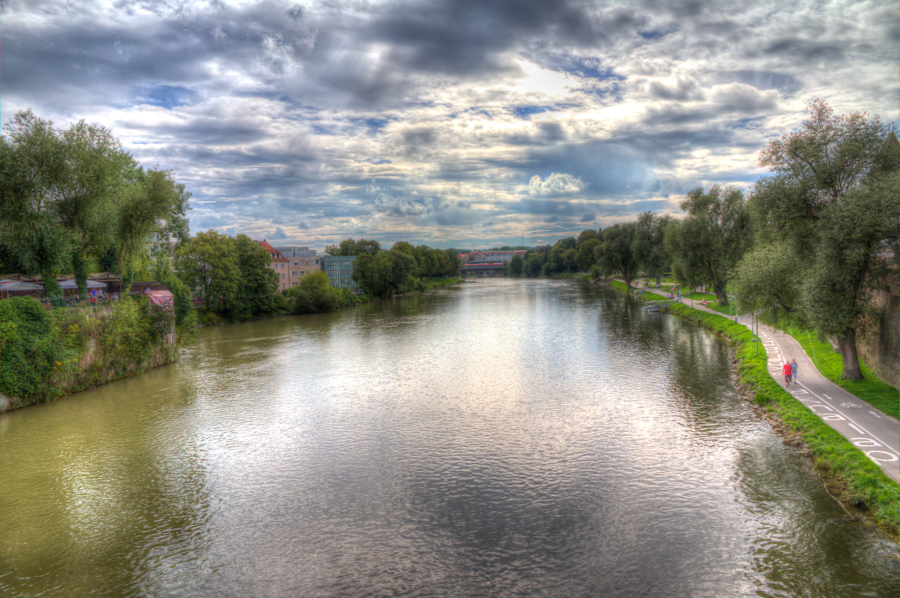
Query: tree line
column 811, row 241
column 383, row 273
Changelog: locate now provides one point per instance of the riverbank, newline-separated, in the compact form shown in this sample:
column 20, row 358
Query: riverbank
column 862, row 483
column 47, row 355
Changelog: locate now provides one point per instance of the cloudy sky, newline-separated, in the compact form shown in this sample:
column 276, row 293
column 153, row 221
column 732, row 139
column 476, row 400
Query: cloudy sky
column 450, row 123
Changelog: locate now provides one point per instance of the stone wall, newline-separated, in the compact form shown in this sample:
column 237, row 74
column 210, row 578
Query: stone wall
column 880, row 349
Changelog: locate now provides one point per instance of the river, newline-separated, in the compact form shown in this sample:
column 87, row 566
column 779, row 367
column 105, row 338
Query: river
column 505, row 438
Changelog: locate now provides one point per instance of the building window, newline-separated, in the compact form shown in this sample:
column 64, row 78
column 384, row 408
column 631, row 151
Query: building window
column 301, row 272
column 294, row 284
column 294, row 273
column 282, row 276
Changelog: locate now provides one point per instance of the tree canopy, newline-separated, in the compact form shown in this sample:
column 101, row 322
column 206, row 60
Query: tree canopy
column 712, row 238
column 73, row 198
column 830, row 207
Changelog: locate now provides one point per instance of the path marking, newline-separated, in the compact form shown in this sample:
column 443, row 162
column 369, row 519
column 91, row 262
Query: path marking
column 834, row 416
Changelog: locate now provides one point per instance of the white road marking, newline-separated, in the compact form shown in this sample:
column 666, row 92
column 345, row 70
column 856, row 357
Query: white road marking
column 833, row 418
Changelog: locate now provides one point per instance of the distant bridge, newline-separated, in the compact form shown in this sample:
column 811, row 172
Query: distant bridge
column 481, row 270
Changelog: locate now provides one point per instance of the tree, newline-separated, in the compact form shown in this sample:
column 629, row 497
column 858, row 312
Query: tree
column 587, row 235
column 533, row 266
column 258, row 283
column 584, row 259
column 569, row 259
column 767, row 279
column 516, row 265
column 314, row 294
column 650, row 246
column 208, row 264
column 832, row 201
column 384, row 274
column 712, row 237
column 73, row 197
column 616, row 253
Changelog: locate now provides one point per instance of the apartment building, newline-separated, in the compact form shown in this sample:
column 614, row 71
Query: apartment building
column 301, row 261
column 280, row 265
column 339, row 269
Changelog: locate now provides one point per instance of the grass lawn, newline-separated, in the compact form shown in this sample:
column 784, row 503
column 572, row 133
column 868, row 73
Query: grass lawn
column 871, row 390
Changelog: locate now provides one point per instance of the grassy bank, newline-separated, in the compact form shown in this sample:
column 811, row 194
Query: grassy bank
column 866, row 485
column 645, row 295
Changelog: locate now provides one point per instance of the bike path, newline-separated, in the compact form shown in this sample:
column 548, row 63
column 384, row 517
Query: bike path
column 869, row 429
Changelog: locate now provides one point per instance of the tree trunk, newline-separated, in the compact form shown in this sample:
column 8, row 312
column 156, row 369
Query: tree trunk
column 627, row 283
column 722, row 297
column 79, row 269
column 849, row 358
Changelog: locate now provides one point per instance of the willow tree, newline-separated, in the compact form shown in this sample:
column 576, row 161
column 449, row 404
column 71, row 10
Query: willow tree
column 616, row 253
column 73, row 196
column 712, row 237
column 832, row 204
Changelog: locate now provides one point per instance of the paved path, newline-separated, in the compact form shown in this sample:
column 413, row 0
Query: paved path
column 870, row 430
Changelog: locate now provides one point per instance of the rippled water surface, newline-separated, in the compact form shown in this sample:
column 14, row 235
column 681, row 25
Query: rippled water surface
column 506, row 438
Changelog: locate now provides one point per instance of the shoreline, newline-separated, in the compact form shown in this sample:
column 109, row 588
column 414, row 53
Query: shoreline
column 859, row 483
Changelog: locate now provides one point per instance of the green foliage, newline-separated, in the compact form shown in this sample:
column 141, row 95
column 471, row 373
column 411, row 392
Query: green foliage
column 29, row 352
column 767, row 279
column 832, row 202
column 533, row 266
column 516, row 265
column 387, row 273
column 584, row 259
column 616, row 253
column 162, row 272
column 315, row 294
column 70, row 197
column 587, row 235
column 649, row 243
column 208, row 264
column 258, row 284
column 46, row 354
column 707, row 244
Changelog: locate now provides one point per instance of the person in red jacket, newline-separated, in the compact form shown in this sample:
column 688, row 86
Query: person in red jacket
column 787, row 370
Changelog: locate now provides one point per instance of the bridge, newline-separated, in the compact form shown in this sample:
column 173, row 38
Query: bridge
column 481, row 270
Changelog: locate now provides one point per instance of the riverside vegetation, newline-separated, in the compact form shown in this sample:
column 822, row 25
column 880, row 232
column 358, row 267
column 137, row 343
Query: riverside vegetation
column 44, row 355
column 864, row 484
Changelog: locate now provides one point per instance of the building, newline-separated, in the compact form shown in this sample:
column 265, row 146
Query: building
column 280, row 265
column 301, row 261
column 490, row 257
column 339, row 269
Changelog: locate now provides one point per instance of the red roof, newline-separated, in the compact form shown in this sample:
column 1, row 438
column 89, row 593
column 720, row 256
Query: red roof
column 276, row 255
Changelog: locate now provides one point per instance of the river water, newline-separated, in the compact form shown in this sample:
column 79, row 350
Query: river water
column 505, row 438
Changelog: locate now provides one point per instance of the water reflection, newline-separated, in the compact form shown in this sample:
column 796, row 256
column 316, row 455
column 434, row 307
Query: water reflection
column 500, row 439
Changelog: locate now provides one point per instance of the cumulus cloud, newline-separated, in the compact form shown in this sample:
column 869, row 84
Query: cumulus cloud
column 555, row 184
column 399, row 207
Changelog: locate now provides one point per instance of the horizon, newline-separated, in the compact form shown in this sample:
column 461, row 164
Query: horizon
column 447, row 124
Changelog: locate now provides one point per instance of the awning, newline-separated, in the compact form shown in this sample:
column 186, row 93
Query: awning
column 160, row 297
column 9, row 286
column 68, row 285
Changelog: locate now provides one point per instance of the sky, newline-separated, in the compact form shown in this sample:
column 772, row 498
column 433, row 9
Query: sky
column 452, row 123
